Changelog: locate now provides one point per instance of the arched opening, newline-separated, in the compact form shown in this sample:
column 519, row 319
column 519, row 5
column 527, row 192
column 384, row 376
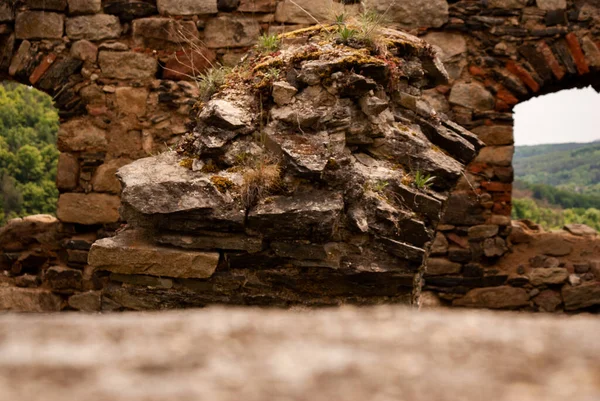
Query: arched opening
column 557, row 159
column 28, row 153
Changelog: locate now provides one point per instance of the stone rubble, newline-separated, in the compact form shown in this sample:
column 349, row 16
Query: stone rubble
column 325, row 208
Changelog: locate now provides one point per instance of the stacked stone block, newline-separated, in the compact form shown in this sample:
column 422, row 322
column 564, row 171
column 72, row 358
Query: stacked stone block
column 119, row 70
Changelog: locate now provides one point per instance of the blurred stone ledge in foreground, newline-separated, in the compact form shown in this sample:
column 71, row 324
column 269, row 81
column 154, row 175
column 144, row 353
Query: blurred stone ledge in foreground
column 350, row 354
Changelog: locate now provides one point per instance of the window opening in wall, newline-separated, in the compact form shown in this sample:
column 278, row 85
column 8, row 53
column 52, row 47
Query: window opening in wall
column 557, row 159
column 28, row 154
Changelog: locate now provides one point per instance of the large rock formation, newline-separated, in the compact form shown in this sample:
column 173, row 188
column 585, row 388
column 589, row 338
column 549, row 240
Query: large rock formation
column 316, row 175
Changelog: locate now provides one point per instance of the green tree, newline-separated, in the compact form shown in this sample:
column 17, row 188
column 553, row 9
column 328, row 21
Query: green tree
column 28, row 154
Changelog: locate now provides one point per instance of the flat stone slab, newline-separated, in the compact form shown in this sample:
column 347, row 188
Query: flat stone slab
column 132, row 253
column 382, row 353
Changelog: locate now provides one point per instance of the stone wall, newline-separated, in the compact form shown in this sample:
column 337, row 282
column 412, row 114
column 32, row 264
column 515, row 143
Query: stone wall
column 118, row 73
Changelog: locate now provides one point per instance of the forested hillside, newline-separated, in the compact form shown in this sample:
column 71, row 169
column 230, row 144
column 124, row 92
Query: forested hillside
column 28, row 154
column 574, row 167
column 558, row 184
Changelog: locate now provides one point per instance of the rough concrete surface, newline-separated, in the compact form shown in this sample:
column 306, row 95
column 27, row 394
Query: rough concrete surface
column 382, row 353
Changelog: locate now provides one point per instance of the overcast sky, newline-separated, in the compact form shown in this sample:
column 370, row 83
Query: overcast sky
column 567, row 116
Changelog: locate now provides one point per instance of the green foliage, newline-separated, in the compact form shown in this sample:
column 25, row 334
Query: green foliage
column 28, row 154
column 551, row 218
column 572, row 167
column 423, row 181
column 211, row 81
column 268, row 43
column 346, row 34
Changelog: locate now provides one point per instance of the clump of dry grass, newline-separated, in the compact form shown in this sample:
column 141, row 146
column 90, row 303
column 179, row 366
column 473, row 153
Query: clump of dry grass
column 261, row 179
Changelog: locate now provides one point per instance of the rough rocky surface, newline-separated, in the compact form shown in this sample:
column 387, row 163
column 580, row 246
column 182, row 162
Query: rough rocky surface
column 136, row 100
column 379, row 353
column 320, row 186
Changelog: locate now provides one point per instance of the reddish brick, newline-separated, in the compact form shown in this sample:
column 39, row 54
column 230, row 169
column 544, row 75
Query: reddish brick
column 476, row 168
column 186, row 64
column 501, row 105
column 443, row 89
column 575, row 48
column 96, row 110
column 477, row 71
column 557, row 69
column 458, row 240
column 42, row 68
column 502, row 196
column 502, row 209
column 494, row 186
column 523, row 75
column 506, row 96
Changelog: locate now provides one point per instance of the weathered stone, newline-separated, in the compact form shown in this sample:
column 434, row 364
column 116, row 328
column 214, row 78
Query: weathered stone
column 212, row 240
column 28, row 300
column 414, row 14
column 519, row 233
column 165, row 29
column 507, row 3
column 55, row 5
column 84, row 50
column 7, row 13
column 312, row 215
column 592, row 51
column 146, row 281
column 127, row 65
column 551, row 4
column 495, row 135
column 555, row 275
column 447, row 44
column 595, row 268
column 39, row 25
column 440, row 266
column 463, row 209
column 39, row 228
column 551, row 262
column 85, row 6
column 257, row 6
column 439, row 245
column 472, row 95
column 132, row 100
column 184, row 65
column 67, row 173
column 585, row 295
column 105, row 179
column 554, row 245
column 580, row 229
column 231, row 31
column 90, row 301
column 93, row 27
column 225, row 114
column 131, row 253
column 574, row 279
column 63, row 278
column 306, row 11
column 187, row 7
column 88, row 208
column 159, row 185
column 483, row 231
column 548, row 300
column 283, row 93
column 372, row 105
column 493, row 247
column 79, row 135
column 503, row 297
column 227, row 5
column 496, row 155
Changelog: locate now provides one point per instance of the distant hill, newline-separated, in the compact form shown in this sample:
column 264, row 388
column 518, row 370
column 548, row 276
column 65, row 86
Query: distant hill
column 558, row 184
column 574, row 167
